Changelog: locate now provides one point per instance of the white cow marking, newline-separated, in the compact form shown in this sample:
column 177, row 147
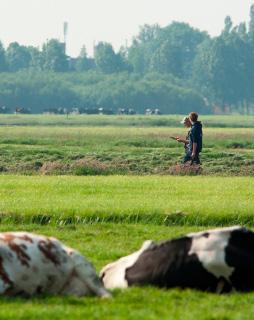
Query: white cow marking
column 32, row 264
column 211, row 250
column 113, row 274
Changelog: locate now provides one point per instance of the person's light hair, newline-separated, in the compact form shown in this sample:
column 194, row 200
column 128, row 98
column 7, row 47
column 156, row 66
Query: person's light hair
column 184, row 120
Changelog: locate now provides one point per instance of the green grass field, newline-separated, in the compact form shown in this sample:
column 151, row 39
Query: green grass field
column 219, row 121
column 62, row 147
column 102, row 243
column 108, row 217
column 151, row 199
column 104, row 184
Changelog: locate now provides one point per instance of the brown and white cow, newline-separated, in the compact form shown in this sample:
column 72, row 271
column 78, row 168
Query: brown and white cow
column 217, row 260
column 31, row 264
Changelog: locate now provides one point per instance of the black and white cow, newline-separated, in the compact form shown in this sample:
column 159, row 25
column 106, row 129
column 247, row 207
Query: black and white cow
column 217, row 260
column 31, row 264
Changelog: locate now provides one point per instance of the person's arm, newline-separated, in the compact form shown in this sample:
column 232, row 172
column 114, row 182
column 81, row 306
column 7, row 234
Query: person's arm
column 194, row 150
column 182, row 140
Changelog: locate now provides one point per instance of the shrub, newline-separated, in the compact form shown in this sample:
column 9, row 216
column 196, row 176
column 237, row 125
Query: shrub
column 90, row 166
column 186, row 169
column 53, row 167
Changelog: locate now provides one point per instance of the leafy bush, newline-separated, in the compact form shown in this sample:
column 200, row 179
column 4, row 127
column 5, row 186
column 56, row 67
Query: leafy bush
column 89, row 166
column 54, row 167
column 186, row 169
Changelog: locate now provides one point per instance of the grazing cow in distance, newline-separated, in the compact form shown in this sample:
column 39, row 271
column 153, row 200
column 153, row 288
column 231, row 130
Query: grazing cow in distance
column 218, row 260
column 31, row 264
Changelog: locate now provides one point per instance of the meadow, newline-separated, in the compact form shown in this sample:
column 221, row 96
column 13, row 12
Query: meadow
column 157, row 200
column 218, row 121
column 60, row 145
column 105, row 184
column 103, row 242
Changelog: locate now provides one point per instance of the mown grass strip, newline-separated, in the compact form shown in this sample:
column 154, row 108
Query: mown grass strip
column 111, row 150
column 157, row 200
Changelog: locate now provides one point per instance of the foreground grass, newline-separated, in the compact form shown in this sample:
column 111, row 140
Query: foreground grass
column 135, row 303
column 166, row 200
column 102, row 243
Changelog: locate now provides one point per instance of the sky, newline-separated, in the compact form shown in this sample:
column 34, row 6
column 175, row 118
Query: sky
column 33, row 22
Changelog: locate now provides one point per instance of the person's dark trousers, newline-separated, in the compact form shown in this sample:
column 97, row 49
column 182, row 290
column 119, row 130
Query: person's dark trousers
column 187, row 158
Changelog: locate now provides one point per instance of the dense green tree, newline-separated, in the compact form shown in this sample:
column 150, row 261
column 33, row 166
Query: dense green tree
column 148, row 33
column 83, row 62
column 175, row 68
column 251, row 23
column 136, row 58
column 228, row 24
column 54, row 57
column 3, row 64
column 242, row 30
column 43, row 90
column 104, row 57
column 106, row 60
column 17, row 57
column 223, row 69
column 36, row 61
column 143, row 46
column 177, row 49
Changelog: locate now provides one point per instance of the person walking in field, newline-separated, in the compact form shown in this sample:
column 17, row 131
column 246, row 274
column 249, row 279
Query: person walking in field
column 195, row 140
column 187, row 124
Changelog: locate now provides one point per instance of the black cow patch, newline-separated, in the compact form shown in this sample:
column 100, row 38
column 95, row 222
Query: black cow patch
column 206, row 235
column 169, row 265
column 240, row 256
column 216, row 260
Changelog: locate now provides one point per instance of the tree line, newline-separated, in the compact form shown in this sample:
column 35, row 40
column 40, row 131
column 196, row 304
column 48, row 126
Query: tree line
column 175, row 68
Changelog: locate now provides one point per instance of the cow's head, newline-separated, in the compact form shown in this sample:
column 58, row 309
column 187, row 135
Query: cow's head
column 113, row 274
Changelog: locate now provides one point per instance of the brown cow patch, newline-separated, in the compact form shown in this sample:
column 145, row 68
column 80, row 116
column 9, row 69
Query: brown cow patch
column 25, row 238
column 7, row 237
column 49, row 251
column 3, row 274
column 20, row 252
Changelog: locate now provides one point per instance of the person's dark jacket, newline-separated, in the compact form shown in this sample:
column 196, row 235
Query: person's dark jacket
column 186, row 145
column 196, row 136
